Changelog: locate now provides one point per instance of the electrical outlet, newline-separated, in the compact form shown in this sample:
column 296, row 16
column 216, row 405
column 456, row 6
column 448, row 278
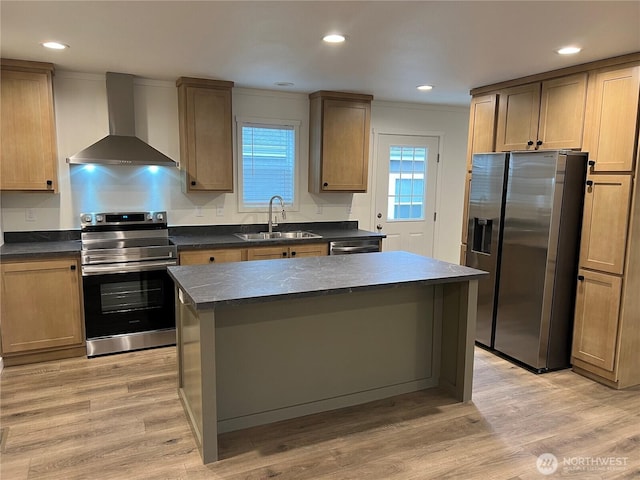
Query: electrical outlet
column 199, row 211
column 348, row 209
column 318, row 209
column 30, row 215
column 220, row 210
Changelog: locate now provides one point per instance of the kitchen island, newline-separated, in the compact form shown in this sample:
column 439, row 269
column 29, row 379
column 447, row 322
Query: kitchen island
column 263, row 341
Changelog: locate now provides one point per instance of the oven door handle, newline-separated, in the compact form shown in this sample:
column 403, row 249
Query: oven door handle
column 127, row 267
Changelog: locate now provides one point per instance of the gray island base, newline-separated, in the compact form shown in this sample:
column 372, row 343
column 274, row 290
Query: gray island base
column 263, row 341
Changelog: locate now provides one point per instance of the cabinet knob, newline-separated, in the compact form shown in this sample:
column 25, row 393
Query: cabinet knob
column 212, row 259
column 49, row 183
column 581, row 278
column 72, row 267
column 325, row 184
column 592, row 163
column 589, row 183
column 284, row 254
column 530, row 142
column 539, row 142
column 193, row 183
column 293, row 254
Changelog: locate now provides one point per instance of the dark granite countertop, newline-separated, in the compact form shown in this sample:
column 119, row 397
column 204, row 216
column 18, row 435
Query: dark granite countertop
column 33, row 250
column 222, row 236
column 25, row 245
column 205, row 286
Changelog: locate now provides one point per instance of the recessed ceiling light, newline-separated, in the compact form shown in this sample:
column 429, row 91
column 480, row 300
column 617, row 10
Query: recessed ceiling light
column 334, row 38
column 568, row 50
column 54, row 45
column 424, row 88
column 283, row 84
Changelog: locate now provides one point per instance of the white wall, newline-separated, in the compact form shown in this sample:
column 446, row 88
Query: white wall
column 81, row 119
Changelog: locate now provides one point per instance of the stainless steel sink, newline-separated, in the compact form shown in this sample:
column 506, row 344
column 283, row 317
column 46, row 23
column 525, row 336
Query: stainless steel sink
column 275, row 235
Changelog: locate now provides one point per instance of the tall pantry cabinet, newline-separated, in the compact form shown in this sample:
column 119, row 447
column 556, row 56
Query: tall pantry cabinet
column 596, row 108
column 606, row 342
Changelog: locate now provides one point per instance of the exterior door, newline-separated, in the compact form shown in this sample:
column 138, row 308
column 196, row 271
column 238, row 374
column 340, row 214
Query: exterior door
column 406, row 186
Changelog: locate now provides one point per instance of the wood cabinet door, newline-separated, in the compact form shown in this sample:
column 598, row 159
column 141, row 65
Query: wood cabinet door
column 345, row 145
column 202, row 257
column 207, row 145
column 309, row 250
column 518, row 111
column 267, row 253
column 595, row 330
column 611, row 119
column 605, row 222
column 29, row 157
column 562, row 107
column 482, row 126
column 41, row 305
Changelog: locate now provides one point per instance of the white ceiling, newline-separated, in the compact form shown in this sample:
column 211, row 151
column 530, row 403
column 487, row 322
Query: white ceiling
column 392, row 46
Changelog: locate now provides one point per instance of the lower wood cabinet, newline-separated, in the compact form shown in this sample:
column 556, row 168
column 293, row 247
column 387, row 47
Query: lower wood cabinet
column 224, row 255
column 595, row 330
column 294, row 251
column 221, row 255
column 41, row 310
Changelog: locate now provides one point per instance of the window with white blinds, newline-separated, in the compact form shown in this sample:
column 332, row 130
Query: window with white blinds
column 267, row 163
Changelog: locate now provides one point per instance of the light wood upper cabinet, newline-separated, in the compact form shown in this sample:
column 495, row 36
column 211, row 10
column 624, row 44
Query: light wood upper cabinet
column 518, row 112
column 546, row 115
column 293, row 251
column 29, row 156
column 605, row 222
column 41, row 306
column 611, row 118
column 206, row 143
column 595, row 332
column 482, row 126
column 339, row 125
column 220, row 255
column 562, row 109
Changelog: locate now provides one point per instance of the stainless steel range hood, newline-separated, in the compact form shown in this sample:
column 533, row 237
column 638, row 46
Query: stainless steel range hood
column 121, row 146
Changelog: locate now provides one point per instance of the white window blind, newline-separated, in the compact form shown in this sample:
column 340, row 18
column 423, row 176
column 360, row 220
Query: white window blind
column 268, row 163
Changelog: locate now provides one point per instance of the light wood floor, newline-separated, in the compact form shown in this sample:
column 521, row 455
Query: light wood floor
column 119, row 417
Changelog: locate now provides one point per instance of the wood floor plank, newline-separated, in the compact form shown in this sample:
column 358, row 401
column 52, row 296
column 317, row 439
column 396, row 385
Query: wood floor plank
column 119, row 417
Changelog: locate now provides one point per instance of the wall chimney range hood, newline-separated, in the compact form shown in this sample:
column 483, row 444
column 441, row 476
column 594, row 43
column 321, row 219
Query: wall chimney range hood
column 121, row 146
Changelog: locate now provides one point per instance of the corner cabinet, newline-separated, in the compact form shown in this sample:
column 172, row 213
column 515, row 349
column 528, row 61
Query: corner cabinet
column 339, row 126
column 544, row 115
column 206, row 139
column 41, row 310
column 29, row 155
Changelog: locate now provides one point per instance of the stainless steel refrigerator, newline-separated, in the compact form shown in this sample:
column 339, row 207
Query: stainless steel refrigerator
column 525, row 211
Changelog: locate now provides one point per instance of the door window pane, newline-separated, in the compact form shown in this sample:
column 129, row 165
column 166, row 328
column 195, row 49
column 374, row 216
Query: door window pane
column 407, row 175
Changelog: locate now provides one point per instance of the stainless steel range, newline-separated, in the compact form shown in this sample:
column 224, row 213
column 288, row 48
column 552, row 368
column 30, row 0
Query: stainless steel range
column 128, row 295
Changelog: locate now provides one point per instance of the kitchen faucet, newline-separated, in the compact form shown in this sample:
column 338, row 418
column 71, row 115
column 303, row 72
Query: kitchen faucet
column 284, row 215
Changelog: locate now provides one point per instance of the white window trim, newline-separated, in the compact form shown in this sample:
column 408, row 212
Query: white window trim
column 295, row 124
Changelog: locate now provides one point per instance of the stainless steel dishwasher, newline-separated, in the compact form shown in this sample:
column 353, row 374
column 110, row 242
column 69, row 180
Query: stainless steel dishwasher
column 348, row 247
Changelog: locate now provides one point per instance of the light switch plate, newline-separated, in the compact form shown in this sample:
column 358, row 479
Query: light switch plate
column 30, row 215
column 199, row 211
column 220, row 210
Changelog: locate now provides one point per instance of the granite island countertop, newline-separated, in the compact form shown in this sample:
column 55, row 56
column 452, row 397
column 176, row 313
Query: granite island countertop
column 205, row 286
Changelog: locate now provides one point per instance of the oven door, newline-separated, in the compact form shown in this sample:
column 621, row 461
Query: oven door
column 121, row 303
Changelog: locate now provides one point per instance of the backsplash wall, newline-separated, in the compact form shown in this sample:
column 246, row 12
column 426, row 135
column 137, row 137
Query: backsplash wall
column 82, row 119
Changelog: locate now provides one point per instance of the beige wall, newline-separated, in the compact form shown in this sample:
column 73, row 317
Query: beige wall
column 81, row 119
